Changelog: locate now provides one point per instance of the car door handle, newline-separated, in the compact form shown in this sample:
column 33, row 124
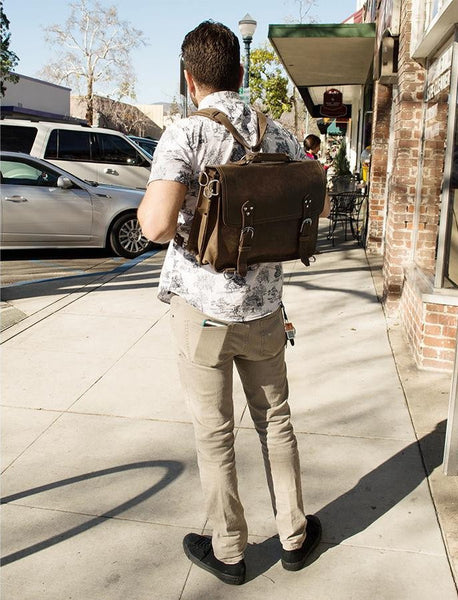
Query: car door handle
column 111, row 171
column 15, row 199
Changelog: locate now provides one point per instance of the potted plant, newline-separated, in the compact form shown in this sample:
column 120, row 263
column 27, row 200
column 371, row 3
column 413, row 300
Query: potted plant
column 342, row 180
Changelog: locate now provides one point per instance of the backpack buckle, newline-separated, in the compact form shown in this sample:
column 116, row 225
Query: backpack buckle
column 245, row 231
column 306, row 222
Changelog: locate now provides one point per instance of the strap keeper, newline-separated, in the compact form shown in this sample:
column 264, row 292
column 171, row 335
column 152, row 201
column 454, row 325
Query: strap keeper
column 246, row 237
column 305, row 231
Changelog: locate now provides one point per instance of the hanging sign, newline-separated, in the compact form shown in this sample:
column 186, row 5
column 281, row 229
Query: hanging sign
column 333, row 105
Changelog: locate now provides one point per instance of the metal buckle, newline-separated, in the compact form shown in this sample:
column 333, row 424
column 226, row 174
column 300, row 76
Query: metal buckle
column 246, row 230
column 307, row 221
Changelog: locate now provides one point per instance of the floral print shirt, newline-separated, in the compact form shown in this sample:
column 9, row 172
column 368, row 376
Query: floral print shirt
column 183, row 150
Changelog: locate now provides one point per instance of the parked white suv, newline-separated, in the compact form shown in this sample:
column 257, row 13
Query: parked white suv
column 91, row 153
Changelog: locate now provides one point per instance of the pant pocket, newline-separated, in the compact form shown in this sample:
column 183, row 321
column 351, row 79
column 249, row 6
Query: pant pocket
column 273, row 338
column 206, row 344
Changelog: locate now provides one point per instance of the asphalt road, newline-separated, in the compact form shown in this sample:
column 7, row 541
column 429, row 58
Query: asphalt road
column 23, row 267
column 32, row 280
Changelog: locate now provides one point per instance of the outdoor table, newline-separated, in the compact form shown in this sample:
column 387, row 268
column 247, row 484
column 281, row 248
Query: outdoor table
column 346, row 210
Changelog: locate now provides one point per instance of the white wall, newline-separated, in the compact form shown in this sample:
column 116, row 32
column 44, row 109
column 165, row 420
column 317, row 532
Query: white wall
column 38, row 95
column 154, row 111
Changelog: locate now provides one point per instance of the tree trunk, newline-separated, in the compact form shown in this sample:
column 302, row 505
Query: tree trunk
column 90, row 102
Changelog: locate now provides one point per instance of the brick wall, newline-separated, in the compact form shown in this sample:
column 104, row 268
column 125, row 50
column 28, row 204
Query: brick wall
column 405, row 207
column 379, row 163
column 436, row 115
column 407, row 107
column 430, row 328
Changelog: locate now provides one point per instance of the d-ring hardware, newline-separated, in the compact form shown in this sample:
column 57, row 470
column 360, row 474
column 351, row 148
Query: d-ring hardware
column 203, row 179
column 212, row 188
column 305, row 222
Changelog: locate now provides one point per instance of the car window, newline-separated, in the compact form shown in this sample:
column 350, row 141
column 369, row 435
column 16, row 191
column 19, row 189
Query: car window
column 15, row 138
column 65, row 144
column 114, row 149
column 21, row 173
column 148, row 146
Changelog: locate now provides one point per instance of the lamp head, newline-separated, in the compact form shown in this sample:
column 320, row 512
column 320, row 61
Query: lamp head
column 247, row 27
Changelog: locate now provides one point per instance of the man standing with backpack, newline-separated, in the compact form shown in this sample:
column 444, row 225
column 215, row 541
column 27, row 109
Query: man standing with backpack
column 222, row 320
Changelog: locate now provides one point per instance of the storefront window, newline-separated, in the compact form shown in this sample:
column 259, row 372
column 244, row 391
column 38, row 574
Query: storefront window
column 451, row 272
column 447, row 248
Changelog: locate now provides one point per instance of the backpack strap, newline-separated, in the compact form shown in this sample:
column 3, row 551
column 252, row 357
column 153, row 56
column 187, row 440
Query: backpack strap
column 219, row 117
column 306, row 231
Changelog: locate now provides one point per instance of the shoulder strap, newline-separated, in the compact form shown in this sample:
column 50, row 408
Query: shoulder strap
column 219, row 117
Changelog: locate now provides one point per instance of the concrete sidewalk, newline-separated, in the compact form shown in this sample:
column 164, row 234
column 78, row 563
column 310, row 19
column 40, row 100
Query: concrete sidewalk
column 100, row 480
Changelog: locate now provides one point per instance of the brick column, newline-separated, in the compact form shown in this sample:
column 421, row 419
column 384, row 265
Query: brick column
column 379, row 160
column 407, row 105
column 432, row 173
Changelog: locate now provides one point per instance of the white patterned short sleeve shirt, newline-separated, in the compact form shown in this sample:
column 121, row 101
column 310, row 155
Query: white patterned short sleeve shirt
column 183, row 151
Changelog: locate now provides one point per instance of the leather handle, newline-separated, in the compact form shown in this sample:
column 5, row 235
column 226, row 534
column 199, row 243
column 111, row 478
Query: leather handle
column 269, row 157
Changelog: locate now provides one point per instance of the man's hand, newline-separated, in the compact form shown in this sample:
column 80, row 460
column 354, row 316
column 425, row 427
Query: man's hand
column 158, row 211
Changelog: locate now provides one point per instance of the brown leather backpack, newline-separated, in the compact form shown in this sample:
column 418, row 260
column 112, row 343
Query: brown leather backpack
column 263, row 208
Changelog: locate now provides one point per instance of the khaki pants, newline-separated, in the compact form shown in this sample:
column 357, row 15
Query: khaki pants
column 206, row 356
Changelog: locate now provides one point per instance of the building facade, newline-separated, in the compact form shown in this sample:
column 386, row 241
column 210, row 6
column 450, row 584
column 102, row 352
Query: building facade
column 395, row 63
column 34, row 98
column 413, row 183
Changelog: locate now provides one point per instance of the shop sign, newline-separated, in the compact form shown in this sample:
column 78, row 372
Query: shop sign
column 432, row 126
column 439, row 74
column 333, row 105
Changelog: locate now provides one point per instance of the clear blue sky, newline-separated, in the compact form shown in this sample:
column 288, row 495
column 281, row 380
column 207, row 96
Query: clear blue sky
column 164, row 23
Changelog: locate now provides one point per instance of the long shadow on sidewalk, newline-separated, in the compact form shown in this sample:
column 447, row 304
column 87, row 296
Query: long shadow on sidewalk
column 358, row 508
column 373, row 496
column 383, row 488
column 173, row 470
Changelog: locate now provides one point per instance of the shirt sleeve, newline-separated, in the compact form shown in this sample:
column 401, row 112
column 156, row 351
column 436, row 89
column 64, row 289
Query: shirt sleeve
column 297, row 148
column 172, row 160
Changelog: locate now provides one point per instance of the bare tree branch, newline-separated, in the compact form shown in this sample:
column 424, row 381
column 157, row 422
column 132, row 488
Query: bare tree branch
column 93, row 51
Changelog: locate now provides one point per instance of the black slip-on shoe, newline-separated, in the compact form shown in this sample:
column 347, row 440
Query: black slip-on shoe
column 199, row 550
column 294, row 560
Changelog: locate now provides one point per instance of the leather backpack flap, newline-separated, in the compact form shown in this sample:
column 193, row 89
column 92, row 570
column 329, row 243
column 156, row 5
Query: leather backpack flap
column 278, row 196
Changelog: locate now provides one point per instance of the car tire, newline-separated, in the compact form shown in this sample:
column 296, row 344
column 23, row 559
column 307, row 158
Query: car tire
column 126, row 237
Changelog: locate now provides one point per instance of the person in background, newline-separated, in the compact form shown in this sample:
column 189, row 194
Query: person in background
column 222, row 321
column 312, row 144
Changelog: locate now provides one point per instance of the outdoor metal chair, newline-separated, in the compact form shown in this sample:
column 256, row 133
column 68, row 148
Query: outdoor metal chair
column 346, row 211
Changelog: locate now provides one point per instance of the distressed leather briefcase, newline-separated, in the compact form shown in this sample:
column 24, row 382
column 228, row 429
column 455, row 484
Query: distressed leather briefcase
column 263, row 208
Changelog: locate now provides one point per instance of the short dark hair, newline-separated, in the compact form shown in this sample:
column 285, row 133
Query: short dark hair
column 311, row 141
column 211, row 54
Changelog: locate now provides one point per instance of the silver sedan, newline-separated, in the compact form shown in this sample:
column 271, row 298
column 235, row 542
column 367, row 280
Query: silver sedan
column 43, row 206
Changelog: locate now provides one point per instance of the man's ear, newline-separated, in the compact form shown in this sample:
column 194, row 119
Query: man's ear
column 190, row 82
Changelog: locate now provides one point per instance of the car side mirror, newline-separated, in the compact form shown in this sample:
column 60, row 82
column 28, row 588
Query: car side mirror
column 64, row 182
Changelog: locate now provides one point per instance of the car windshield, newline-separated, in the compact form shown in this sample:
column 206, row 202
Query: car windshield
column 148, row 146
column 147, row 152
column 28, row 171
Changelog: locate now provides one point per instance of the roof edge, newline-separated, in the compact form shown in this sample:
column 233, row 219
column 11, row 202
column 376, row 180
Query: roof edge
column 322, row 30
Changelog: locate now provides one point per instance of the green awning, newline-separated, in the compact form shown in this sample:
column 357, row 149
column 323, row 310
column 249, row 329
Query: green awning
column 317, row 57
column 325, row 55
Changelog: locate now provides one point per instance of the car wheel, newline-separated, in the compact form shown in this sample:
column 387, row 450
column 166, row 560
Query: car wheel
column 126, row 238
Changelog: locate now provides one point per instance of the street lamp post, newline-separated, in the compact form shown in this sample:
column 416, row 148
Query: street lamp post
column 247, row 27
